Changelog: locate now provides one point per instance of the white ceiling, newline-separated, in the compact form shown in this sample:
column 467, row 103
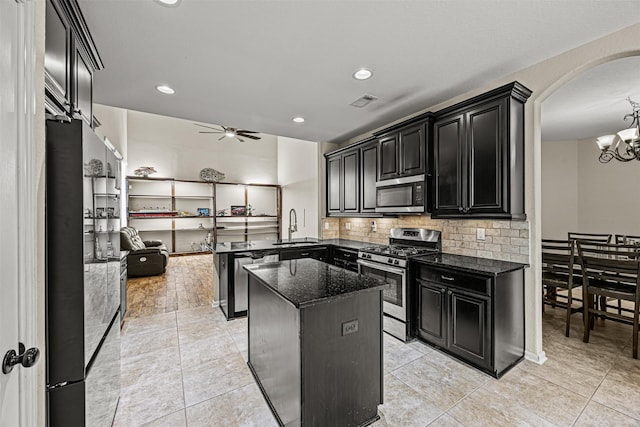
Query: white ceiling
column 256, row 64
column 594, row 103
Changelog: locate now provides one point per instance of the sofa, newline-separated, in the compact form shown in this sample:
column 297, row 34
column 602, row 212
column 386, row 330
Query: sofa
column 146, row 258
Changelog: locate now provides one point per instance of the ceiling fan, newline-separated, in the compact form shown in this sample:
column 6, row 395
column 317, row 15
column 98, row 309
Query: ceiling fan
column 230, row 132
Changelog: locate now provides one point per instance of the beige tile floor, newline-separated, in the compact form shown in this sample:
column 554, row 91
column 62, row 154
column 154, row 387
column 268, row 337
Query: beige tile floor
column 188, row 368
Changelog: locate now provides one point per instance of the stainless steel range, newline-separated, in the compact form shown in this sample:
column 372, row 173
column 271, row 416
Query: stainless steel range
column 390, row 263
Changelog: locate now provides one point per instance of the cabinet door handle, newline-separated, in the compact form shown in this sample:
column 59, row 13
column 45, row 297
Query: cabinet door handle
column 447, row 278
column 304, row 254
column 443, row 290
column 450, row 292
column 461, row 209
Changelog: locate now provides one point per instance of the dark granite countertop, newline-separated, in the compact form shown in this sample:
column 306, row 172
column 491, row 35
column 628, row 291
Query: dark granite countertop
column 262, row 245
column 470, row 264
column 305, row 282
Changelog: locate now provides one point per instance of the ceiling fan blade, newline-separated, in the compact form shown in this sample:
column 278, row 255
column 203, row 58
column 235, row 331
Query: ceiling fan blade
column 208, row 127
column 222, row 137
column 209, row 131
column 247, row 131
column 239, row 139
column 250, row 136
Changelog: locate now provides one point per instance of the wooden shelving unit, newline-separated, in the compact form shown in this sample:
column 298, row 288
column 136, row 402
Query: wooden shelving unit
column 264, row 220
column 167, row 209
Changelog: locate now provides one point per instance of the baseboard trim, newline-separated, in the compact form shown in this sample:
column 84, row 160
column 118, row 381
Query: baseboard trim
column 538, row 358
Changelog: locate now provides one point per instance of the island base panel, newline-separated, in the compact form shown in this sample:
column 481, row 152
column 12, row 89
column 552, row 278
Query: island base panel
column 274, row 351
column 313, row 365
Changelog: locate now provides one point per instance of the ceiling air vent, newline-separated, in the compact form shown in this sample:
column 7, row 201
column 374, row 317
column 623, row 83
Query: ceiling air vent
column 364, row 100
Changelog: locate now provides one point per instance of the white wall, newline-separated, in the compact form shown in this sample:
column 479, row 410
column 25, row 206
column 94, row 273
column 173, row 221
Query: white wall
column 298, row 177
column 177, row 150
column 559, row 188
column 113, row 125
column 608, row 198
column 581, row 194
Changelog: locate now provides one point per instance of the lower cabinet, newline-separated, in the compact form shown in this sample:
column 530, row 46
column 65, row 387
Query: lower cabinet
column 478, row 319
column 346, row 259
column 319, row 253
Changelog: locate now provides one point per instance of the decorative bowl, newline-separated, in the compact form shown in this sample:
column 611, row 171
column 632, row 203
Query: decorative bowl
column 94, row 167
column 145, row 171
column 211, row 175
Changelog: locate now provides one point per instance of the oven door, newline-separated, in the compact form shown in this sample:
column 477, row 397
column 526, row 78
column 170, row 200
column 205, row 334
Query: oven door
column 394, row 296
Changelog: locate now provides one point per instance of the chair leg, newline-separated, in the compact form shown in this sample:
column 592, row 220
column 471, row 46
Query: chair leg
column 568, row 321
column 619, row 307
column 587, row 304
column 603, row 306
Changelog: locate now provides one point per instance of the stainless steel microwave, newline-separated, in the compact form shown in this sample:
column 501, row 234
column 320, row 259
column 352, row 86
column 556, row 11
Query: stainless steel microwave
column 401, row 195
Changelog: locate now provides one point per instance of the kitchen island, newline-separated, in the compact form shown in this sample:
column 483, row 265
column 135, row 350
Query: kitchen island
column 315, row 342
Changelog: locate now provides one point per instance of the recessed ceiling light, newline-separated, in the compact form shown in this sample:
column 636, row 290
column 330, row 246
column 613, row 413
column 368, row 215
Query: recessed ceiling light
column 298, row 119
column 362, row 74
column 169, row 3
column 165, row 89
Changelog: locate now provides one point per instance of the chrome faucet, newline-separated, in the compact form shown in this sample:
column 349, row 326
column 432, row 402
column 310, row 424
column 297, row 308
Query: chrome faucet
column 293, row 222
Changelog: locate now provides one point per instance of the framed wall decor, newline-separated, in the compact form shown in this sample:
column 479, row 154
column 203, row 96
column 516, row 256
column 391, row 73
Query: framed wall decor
column 203, row 211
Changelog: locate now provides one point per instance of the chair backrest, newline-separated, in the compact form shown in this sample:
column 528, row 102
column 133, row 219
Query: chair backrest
column 626, row 239
column 590, row 237
column 130, row 239
column 618, row 264
column 557, row 256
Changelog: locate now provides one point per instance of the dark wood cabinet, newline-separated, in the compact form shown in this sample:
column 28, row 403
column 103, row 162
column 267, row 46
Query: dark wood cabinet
column 351, row 181
column 83, row 87
column 478, row 148
column 368, row 176
column 412, row 150
column 477, row 318
column 352, row 173
column 432, row 323
column 70, row 61
column 389, row 164
column 469, row 333
column 319, row 253
column 334, row 166
column 345, row 258
column 447, row 151
column 57, row 62
column 343, row 182
column 403, row 148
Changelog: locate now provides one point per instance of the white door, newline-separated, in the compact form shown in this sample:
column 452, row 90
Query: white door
column 18, row 389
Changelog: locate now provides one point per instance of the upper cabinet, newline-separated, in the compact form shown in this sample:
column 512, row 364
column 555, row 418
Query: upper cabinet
column 403, row 149
column 478, row 149
column 71, row 59
column 351, row 179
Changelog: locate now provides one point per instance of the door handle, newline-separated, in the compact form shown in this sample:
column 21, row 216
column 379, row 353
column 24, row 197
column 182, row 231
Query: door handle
column 26, row 358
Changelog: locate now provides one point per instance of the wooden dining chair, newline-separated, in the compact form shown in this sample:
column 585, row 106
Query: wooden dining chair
column 626, row 239
column 591, row 237
column 558, row 274
column 610, row 270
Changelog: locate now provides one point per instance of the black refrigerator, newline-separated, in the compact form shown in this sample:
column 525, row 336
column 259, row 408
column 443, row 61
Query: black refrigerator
column 82, row 277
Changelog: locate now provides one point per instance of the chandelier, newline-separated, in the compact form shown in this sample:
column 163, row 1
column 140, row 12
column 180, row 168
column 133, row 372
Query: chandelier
column 625, row 145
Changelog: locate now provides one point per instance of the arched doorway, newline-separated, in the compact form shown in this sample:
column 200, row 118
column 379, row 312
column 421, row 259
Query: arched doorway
column 544, row 79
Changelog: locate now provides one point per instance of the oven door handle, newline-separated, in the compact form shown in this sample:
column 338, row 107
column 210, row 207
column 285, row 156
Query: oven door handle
column 382, row 267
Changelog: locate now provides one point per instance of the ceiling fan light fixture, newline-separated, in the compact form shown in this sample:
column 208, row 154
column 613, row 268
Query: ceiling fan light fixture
column 230, row 134
column 298, row 119
column 362, row 74
column 167, row 90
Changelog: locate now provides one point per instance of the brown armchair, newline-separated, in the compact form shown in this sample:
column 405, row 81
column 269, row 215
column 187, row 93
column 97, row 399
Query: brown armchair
column 146, row 258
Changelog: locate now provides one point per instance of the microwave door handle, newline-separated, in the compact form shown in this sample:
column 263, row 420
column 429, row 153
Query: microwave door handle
column 382, row 267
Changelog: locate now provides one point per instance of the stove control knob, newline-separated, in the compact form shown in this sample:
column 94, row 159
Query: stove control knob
column 389, row 260
column 396, row 262
column 369, row 256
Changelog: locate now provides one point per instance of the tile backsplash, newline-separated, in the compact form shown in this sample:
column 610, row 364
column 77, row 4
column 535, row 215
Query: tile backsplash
column 504, row 240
